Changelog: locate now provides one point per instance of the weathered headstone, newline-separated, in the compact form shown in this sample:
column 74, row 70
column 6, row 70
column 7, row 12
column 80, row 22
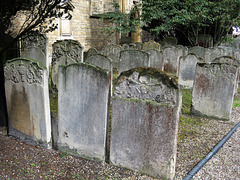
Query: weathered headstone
column 236, row 55
column 205, row 40
column 83, row 99
column 213, row 90
column 156, row 59
column 125, row 40
column 212, row 53
column 170, row 41
column 198, row 50
column 151, row 45
column 231, row 61
column 133, row 58
column 182, row 50
column 26, row 85
column 228, row 50
column 139, row 45
column 186, row 73
column 171, row 60
column 113, row 51
column 100, row 60
column 64, row 52
column 145, row 114
column 35, row 46
column 90, row 52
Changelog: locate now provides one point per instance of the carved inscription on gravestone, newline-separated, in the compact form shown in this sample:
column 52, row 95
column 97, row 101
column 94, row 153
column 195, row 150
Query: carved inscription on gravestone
column 23, row 71
column 145, row 112
column 68, row 48
column 34, row 39
column 145, row 87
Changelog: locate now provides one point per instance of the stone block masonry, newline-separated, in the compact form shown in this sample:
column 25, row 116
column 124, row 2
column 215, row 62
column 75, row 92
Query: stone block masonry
column 26, row 86
column 83, row 101
column 145, row 115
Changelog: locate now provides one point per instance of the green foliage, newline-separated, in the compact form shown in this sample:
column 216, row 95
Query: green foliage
column 189, row 18
column 121, row 22
column 36, row 15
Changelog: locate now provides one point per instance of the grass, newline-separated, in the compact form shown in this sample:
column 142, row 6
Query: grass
column 190, row 125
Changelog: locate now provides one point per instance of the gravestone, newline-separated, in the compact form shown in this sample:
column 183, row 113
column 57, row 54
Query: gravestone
column 139, row 45
column 213, row 90
column 170, row 41
column 113, row 52
column 171, row 60
column 151, row 45
column 229, row 50
column 125, row 40
column 231, row 61
column 133, row 58
column 182, row 50
column 90, row 52
column 65, row 52
column 236, row 55
column 145, row 115
column 212, row 53
column 83, row 99
column 156, row 59
column 100, row 60
column 26, row 87
column 198, row 50
column 205, row 40
column 35, row 46
column 186, row 73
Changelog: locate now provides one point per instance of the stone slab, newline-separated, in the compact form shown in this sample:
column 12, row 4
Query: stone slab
column 26, row 86
column 83, row 101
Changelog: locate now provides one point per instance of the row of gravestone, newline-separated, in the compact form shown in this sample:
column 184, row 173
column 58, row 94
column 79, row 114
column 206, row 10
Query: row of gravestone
column 144, row 118
column 177, row 60
column 145, row 110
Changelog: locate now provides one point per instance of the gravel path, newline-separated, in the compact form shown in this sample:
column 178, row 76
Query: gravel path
column 21, row 161
column 226, row 162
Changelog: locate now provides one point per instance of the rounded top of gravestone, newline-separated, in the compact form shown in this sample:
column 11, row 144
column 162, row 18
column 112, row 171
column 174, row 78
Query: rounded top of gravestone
column 170, row 41
column 151, row 45
column 125, row 40
column 69, row 48
column 34, row 39
column 146, row 84
column 227, row 60
column 21, row 70
column 195, row 55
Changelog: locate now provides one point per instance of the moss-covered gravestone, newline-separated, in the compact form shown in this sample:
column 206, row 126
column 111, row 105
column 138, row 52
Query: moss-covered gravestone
column 145, row 115
column 150, row 45
column 83, row 99
column 26, row 86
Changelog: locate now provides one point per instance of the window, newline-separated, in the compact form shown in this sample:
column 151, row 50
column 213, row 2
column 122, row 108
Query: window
column 65, row 27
